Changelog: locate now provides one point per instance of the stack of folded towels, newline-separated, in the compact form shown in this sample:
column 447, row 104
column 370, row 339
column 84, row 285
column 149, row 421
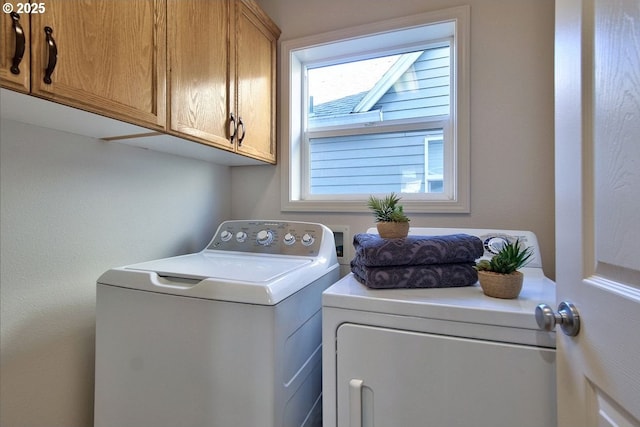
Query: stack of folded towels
column 416, row 261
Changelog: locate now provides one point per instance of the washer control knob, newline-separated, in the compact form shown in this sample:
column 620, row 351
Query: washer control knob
column 226, row 235
column 241, row 236
column 307, row 239
column 264, row 237
column 289, row 239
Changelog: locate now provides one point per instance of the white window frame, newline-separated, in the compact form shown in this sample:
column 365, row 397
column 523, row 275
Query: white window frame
column 410, row 31
column 440, row 177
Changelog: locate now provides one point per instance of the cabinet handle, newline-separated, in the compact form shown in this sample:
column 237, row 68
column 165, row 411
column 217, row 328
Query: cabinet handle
column 53, row 55
column 244, row 132
column 355, row 403
column 232, row 122
column 20, row 43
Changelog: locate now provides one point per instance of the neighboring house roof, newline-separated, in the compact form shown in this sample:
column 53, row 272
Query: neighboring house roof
column 388, row 79
column 364, row 101
column 338, row 106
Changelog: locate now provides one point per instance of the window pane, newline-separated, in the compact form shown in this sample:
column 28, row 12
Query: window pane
column 410, row 85
column 402, row 162
column 327, row 84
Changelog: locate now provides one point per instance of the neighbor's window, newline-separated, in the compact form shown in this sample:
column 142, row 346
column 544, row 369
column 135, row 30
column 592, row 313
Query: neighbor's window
column 379, row 109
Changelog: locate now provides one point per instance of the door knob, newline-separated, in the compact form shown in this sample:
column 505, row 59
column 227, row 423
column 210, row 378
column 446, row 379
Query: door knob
column 567, row 317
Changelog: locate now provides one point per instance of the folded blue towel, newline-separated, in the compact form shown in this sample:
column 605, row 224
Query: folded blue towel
column 415, row 276
column 374, row 251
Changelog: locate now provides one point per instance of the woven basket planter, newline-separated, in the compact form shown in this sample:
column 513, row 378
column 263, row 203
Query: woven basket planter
column 506, row 286
column 393, row 230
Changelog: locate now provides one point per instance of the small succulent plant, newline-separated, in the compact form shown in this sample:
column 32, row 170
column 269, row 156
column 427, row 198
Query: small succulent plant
column 511, row 257
column 387, row 209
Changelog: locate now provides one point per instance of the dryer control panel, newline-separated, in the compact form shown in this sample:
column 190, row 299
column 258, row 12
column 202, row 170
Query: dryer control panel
column 270, row 237
column 492, row 240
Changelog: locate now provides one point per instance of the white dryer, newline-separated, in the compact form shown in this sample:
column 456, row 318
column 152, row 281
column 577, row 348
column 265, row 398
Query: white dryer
column 440, row 357
column 229, row 336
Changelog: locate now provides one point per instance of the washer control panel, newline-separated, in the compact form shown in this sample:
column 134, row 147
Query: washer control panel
column 269, row 237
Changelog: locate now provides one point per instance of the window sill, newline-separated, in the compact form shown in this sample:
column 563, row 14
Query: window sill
column 461, row 206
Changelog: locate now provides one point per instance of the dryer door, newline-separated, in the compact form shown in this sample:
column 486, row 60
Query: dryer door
column 402, row 378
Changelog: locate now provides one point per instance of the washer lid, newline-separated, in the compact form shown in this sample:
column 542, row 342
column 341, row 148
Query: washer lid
column 252, row 279
column 222, row 266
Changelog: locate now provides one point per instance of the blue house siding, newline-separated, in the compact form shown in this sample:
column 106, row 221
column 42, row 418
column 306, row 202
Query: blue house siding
column 423, row 90
column 385, row 162
column 373, row 163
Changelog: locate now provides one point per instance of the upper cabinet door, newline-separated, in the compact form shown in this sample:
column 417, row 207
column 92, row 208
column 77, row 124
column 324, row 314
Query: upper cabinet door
column 198, row 50
column 103, row 56
column 14, row 47
column 255, row 81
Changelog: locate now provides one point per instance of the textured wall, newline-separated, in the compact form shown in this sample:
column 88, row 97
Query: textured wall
column 71, row 207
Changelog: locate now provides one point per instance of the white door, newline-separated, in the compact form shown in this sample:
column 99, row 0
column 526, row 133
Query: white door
column 598, row 209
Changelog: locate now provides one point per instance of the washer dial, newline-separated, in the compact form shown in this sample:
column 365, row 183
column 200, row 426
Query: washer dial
column 307, row 239
column 289, row 239
column 264, row 237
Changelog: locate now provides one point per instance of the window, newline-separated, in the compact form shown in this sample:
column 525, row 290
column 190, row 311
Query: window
column 378, row 109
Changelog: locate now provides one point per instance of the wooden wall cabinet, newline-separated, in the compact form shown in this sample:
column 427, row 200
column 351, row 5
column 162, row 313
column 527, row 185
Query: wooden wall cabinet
column 200, row 70
column 15, row 42
column 254, row 81
column 222, row 65
column 106, row 57
column 198, row 54
column 111, row 57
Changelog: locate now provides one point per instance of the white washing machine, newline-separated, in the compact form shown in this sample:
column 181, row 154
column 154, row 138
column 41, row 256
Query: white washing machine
column 230, row 336
column 439, row 357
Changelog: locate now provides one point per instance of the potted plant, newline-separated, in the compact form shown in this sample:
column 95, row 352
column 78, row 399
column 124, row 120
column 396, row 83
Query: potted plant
column 499, row 277
column 391, row 221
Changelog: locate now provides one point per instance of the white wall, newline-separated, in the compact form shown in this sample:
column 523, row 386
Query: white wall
column 72, row 207
column 511, row 114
